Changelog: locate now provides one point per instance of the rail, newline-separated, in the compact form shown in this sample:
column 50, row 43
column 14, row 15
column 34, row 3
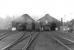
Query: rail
column 59, row 40
column 30, row 42
column 2, row 36
column 17, row 41
column 12, row 43
column 62, row 43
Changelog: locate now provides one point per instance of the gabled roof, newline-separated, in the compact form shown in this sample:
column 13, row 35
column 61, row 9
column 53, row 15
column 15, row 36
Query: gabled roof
column 47, row 18
column 27, row 18
column 24, row 19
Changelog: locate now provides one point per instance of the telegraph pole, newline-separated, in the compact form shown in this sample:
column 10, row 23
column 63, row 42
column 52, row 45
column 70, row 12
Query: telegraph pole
column 61, row 21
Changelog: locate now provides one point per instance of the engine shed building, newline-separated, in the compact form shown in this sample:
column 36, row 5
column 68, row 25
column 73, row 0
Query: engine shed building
column 23, row 22
column 48, row 22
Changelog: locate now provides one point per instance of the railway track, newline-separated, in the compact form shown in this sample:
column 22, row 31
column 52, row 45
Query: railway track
column 30, row 42
column 61, row 43
column 68, row 43
column 20, row 34
column 53, row 39
column 31, row 35
column 4, row 34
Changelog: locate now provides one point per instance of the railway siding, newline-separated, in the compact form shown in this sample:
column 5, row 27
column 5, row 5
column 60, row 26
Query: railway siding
column 46, row 41
column 31, row 41
column 35, row 41
column 18, row 43
column 6, row 42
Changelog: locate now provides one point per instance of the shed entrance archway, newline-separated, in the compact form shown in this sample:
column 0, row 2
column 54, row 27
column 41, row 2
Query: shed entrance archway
column 53, row 26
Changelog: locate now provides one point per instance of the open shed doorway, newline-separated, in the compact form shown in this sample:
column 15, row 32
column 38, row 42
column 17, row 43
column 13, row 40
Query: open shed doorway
column 53, row 26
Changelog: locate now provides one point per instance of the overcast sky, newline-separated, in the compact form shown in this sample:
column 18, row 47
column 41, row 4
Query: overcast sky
column 38, row 8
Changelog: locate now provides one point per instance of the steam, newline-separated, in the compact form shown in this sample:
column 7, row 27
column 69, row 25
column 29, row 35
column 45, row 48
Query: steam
column 5, row 23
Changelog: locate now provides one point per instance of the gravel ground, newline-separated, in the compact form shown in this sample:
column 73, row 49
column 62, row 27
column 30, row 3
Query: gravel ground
column 45, row 41
column 10, row 39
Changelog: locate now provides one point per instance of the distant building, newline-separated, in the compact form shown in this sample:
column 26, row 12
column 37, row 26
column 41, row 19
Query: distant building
column 25, row 20
column 47, row 19
column 48, row 22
